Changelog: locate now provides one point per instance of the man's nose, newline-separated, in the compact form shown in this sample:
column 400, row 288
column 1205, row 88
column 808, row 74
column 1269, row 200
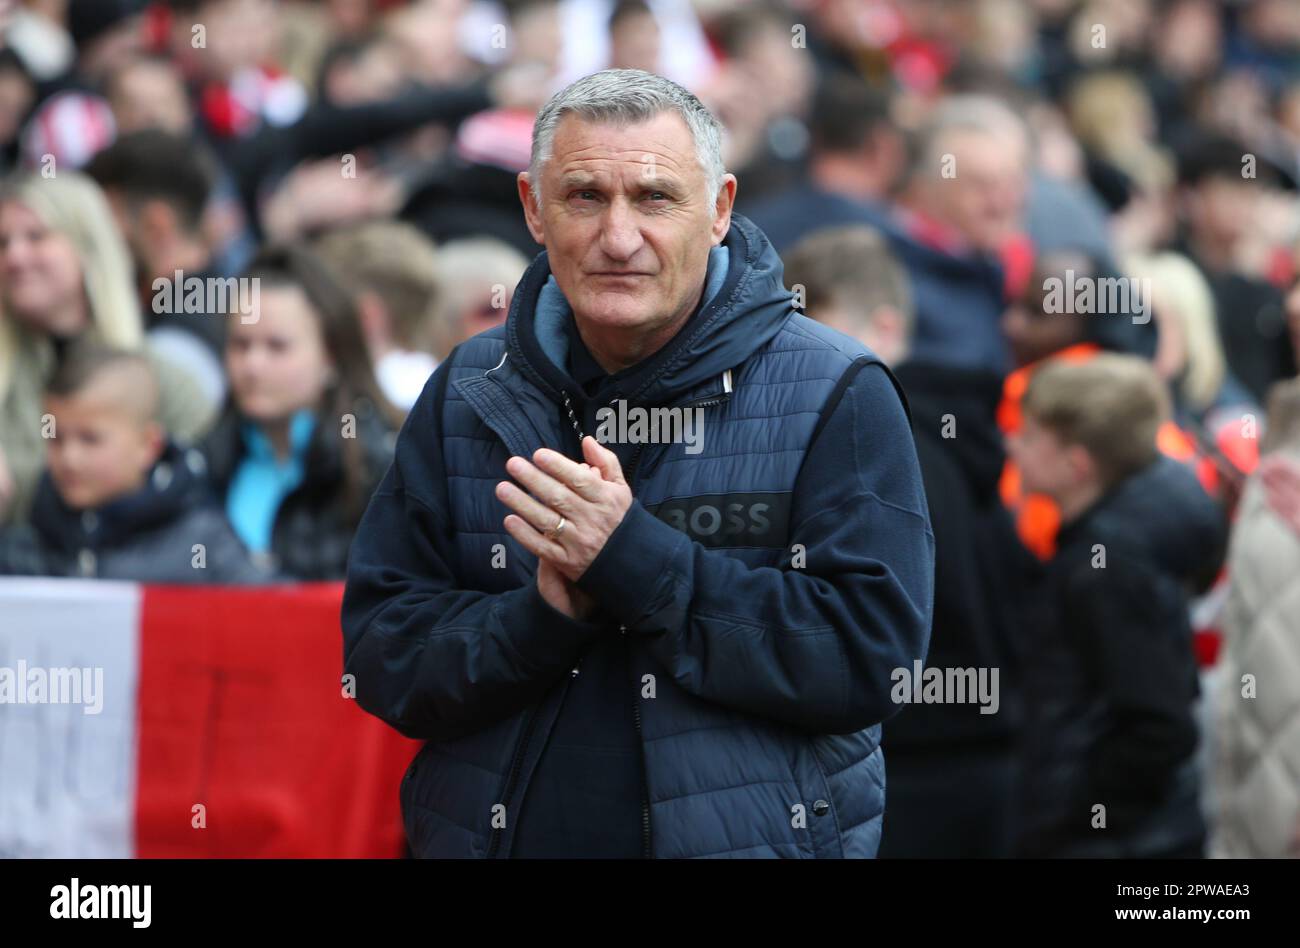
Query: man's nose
column 620, row 232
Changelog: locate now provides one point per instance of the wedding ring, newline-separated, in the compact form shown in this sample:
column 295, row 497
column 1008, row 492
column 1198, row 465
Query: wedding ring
column 556, row 530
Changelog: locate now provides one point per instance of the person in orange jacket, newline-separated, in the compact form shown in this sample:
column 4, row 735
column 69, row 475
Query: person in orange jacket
column 1036, row 333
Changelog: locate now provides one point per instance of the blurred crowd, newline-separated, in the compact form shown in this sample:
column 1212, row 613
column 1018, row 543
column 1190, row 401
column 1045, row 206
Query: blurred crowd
column 237, row 237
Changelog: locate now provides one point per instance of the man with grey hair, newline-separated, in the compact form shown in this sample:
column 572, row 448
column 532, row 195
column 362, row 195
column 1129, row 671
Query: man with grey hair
column 649, row 554
column 956, row 223
column 970, row 168
column 961, row 216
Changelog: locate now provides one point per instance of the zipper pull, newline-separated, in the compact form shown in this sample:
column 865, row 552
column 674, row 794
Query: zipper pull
column 622, row 629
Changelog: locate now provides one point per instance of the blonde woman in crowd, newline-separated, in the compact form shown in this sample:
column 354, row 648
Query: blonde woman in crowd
column 1189, row 355
column 65, row 274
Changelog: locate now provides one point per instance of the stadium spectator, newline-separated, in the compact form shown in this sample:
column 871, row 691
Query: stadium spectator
column 634, row 39
column 763, row 93
column 159, row 185
column 478, row 278
column 393, row 274
column 857, row 158
column 1221, row 200
column 17, row 93
column 1256, row 783
column 962, row 209
column 1189, row 356
column 1110, row 675
column 65, row 273
column 149, row 94
column 73, row 120
column 120, row 500
column 307, row 433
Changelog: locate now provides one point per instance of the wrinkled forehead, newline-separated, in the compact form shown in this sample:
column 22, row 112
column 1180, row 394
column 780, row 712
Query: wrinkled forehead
column 659, row 150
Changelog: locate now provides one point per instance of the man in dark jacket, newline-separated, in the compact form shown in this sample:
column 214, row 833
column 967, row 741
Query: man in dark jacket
column 675, row 638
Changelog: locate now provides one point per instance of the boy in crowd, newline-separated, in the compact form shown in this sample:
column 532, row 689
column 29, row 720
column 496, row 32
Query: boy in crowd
column 119, row 499
column 1110, row 674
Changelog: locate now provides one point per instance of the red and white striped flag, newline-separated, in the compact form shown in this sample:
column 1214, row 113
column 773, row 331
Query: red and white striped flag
column 201, row 721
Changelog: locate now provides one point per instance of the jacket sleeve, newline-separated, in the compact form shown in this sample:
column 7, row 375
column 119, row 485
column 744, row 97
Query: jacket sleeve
column 434, row 659
column 1129, row 625
column 813, row 646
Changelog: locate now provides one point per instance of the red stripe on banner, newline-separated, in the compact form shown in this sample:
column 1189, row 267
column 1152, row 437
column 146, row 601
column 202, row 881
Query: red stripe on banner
column 241, row 711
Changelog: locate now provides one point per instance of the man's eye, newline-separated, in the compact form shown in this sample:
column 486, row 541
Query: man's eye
column 657, row 196
column 585, row 195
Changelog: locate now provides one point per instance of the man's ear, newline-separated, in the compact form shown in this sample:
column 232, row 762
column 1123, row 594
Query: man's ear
column 532, row 213
column 722, row 206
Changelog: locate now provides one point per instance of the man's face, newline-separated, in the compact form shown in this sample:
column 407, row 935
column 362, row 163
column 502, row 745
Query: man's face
column 150, row 95
column 1033, row 334
column 1223, row 209
column 984, row 198
column 627, row 221
column 114, row 48
column 1031, row 330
